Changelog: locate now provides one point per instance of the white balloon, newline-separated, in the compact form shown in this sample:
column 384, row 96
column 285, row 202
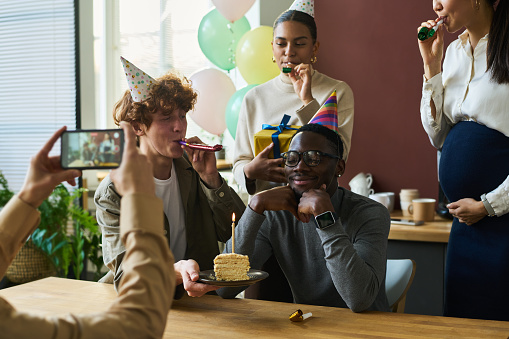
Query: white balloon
column 233, row 10
column 214, row 89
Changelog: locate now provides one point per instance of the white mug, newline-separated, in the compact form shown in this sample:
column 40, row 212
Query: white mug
column 361, row 184
column 405, row 197
column 385, row 198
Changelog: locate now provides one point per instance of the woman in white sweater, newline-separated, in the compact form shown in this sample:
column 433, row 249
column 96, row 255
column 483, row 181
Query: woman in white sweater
column 298, row 94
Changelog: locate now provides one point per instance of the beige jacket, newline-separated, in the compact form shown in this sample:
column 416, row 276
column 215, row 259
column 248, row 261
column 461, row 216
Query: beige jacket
column 208, row 215
column 136, row 313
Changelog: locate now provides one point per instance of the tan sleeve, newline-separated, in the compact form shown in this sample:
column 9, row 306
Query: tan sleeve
column 145, row 292
column 17, row 221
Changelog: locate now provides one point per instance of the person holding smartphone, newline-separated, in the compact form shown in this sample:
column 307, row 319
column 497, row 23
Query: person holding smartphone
column 464, row 112
column 198, row 204
column 146, row 289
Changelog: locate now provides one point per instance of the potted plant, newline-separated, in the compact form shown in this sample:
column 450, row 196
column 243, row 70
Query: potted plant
column 62, row 249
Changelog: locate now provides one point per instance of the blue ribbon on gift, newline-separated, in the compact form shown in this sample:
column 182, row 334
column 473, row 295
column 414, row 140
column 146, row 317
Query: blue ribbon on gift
column 279, row 129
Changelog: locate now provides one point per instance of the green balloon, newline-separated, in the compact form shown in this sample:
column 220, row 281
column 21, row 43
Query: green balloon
column 233, row 109
column 218, row 38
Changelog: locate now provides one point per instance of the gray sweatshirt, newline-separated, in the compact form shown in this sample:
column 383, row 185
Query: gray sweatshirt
column 343, row 265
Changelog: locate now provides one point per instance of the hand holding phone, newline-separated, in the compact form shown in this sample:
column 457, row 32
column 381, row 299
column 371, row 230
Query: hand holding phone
column 92, row 149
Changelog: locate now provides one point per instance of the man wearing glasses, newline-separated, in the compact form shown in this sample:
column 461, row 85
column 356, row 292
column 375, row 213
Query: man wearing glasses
column 330, row 242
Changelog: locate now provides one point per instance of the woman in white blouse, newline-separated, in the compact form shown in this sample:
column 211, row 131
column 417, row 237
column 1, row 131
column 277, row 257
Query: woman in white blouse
column 465, row 111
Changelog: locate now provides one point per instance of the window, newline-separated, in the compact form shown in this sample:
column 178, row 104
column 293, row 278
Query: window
column 156, row 35
column 38, row 63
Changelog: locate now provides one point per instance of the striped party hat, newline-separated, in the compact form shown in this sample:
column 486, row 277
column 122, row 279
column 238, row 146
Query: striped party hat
column 138, row 81
column 327, row 115
column 306, row 6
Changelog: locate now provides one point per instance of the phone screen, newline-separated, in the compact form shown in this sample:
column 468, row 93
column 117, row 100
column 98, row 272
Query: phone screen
column 92, row 149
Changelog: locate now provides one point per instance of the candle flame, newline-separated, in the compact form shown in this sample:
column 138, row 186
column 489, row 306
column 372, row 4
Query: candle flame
column 233, row 217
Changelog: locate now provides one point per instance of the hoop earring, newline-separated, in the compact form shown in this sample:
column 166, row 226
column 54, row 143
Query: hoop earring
column 313, row 59
column 273, row 59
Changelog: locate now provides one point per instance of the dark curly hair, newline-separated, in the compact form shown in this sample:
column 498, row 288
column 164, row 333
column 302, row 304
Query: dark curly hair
column 169, row 93
column 334, row 139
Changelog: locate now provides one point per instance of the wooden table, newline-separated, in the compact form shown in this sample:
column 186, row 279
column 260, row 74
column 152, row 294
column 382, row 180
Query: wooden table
column 213, row 317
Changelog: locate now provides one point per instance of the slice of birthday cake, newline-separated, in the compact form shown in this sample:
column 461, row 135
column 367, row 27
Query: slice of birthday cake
column 231, row 267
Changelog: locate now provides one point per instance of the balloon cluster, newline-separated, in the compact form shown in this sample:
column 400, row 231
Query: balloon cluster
column 227, row 40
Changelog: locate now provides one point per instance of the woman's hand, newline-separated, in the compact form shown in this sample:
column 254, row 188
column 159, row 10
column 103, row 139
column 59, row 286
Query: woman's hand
column 301, row 77
column 204, row 163
column 45, row 173
column 432, row 49
column 263, row 168
column 468, row 211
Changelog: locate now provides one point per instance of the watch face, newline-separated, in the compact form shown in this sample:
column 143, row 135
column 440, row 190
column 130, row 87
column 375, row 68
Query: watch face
column 324, row 220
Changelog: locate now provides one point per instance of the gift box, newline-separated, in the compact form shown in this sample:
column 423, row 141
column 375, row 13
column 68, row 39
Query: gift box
column 280, row 135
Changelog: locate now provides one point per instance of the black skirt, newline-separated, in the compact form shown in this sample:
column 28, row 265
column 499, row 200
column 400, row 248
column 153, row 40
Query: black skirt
column 475, row 160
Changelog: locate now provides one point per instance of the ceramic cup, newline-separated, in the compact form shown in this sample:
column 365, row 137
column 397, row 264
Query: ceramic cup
column 406, row 195
column 382, row 198
column 361, row 184
column 385, row 198
column 422, row 209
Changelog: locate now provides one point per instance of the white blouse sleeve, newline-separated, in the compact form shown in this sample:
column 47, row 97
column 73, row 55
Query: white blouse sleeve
column 499, row 198
column 438, row 128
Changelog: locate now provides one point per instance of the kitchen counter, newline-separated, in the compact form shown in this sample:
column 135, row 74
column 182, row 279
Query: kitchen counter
column 427, row 246
column 433, row 231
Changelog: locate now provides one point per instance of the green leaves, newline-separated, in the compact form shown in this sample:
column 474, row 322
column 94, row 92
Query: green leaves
column 5, row 193
column 52, row 238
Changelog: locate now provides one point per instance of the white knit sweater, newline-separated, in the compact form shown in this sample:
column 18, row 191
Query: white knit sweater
column 268, row 102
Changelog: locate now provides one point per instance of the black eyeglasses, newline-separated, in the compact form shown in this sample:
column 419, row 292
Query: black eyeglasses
column 311, row 158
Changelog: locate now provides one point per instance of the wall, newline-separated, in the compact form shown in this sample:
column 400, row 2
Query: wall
column 270, row 10
column 372, row 45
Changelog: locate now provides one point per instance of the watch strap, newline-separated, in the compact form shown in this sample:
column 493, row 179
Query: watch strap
column 487, row 205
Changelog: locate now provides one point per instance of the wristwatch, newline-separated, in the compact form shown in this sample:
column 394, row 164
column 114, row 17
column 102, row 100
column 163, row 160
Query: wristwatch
column 487, row 205
column 325, row 220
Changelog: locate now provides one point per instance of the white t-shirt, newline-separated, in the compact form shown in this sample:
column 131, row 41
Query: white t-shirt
column 169, row 192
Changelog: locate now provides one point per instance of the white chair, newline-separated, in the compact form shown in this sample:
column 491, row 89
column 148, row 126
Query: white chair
column 399, row 276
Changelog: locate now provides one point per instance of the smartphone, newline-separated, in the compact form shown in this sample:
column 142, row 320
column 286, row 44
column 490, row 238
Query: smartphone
column 406, row 222
column 92, row 149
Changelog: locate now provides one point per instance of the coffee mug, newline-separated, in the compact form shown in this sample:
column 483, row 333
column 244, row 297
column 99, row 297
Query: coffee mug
column 422, row 209
column 361, row 184
column 382, row 198
column 406, row 195
column 387, row 199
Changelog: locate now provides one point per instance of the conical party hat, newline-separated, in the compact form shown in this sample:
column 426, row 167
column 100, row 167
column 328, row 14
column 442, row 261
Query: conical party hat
column 138, row 81
column 327, row 115
column 306, row 6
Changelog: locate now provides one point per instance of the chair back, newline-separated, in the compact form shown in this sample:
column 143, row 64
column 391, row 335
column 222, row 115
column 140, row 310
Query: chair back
column 399, row 276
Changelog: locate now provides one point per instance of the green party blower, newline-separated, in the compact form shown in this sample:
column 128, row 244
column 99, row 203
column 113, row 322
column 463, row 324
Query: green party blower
column 425, row 32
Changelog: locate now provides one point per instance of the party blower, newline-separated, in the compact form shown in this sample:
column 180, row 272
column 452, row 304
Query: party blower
column 202, row 147
column 425, row 32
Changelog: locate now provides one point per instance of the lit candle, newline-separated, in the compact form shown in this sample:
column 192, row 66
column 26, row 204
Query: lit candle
column 233, row 233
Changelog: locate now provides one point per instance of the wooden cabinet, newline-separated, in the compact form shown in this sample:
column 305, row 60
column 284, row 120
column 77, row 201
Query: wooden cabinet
column 427, row 245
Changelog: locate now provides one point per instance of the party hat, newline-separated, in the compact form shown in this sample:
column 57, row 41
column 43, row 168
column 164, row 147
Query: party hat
column 306, row 6
column 327, row 115
column 138, row 81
